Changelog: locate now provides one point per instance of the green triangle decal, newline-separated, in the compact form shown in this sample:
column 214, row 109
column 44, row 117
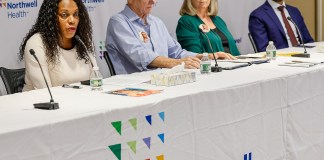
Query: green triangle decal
column 117, row 125
column 132, row 145
column 116, row 149
column 133, row 122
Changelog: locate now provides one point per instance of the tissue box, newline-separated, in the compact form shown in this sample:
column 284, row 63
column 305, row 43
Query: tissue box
column 173, row 79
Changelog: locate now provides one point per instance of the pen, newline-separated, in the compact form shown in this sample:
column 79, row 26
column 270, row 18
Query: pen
column 296, row 61
column 299, row 61
column 71, row 86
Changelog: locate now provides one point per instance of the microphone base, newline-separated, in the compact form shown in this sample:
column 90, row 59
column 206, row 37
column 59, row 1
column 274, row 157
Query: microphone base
column 303, row 55
column 47, row 106
column 216, row 69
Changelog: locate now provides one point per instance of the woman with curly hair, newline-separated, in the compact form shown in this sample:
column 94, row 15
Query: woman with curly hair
column 52, row 37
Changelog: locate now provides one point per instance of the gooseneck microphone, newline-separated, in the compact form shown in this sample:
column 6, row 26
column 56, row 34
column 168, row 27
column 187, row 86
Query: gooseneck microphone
column 49, row 105
column 85, row 47
column 305, row 54
column 215, row 68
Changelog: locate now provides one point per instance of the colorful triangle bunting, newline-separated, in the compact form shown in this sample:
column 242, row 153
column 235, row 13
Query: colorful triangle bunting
column 117, row 125
column 161, row 157
column 116, row 149
column 133, row 122
column 161, row 114
column 161, row 136
column 149, row 119
column 147, row 141
column 132, row 145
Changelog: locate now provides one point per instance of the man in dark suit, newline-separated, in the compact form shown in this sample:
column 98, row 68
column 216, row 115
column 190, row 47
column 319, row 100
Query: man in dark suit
column 269, row 23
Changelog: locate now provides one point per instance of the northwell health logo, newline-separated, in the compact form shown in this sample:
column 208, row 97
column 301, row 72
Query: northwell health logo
column 91, row 5
column 17, row 9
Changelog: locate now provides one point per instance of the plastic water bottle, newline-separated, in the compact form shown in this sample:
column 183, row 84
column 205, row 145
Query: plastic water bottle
column 205, row 64
column 271, row 50
column 95, row 79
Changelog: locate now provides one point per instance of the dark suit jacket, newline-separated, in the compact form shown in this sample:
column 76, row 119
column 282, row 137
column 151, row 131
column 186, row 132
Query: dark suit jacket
column 265, row 26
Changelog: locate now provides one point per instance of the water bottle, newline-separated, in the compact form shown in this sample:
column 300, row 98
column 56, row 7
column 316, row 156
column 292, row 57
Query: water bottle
column 95, row 79
column 205, row 64
column 271, row 50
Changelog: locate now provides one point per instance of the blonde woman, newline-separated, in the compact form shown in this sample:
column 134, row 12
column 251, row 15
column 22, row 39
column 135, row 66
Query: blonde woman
column 199, row 20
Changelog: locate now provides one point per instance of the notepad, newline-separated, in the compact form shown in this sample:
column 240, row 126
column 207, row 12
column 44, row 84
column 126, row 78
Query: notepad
column 231, row 65
column 287, row 54
column 301, row 63
column 305, row 65
column 254, row 55
column 248, row 60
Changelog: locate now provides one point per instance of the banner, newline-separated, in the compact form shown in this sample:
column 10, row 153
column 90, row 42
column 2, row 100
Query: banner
column 17, row 17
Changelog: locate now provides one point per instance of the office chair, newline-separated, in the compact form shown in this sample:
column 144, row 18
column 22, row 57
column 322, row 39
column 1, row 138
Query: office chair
column 13, row 79
column 110, row 65
column 253, row 44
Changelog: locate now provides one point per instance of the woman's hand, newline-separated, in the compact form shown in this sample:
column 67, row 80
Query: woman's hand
column 222, row 55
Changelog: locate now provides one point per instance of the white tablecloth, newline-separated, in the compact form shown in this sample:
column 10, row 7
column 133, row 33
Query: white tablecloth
column 260, row 112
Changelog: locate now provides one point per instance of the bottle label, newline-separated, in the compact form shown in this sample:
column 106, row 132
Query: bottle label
column 205, row 67
column 271, row 54
column 96, row 82
column 274, row 53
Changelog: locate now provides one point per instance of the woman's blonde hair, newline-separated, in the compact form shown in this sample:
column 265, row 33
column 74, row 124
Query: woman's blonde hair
column 187, row 8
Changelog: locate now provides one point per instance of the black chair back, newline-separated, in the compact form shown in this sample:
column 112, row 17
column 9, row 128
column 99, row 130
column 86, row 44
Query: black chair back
column 252, row 42
column 13, row 79
column 110, row 65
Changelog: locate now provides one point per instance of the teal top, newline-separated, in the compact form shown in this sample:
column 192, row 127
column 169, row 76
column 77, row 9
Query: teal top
column 194, row 40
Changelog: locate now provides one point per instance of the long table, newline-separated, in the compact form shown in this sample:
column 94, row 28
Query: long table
column 260, row 112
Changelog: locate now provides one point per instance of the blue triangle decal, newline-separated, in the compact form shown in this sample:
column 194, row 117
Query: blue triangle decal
column 161, row 114
column 161, row 136
column 147, row 141
column 149, row 119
